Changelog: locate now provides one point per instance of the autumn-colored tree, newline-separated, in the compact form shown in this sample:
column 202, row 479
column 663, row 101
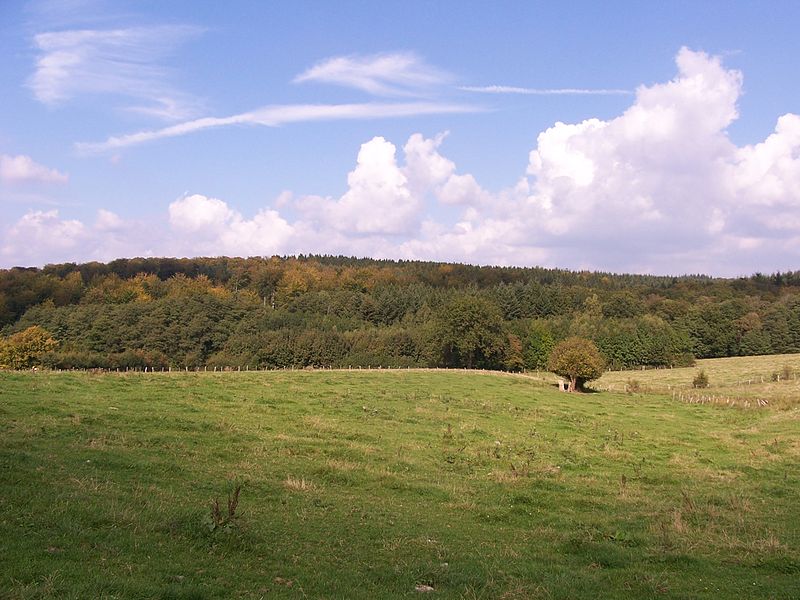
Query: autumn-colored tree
column 24, row 349
column 514, row 360
column 577, row 359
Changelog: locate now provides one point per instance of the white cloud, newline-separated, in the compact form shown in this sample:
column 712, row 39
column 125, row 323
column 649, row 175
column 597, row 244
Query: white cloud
column 425, row 167
column 769, row 173
column 509, row 89
column 39, row 235
column 661, row 188
column 23, row 169
column 123, row 62
column 198, row 214
column 652, row 176
column 209, row 226
column 378, row 200
column 462, row 189
column 391, row 74
column 108, row 221
column 273, row 116
column 429, row 171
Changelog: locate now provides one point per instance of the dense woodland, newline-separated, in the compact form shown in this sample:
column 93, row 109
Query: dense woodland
column 336, row 311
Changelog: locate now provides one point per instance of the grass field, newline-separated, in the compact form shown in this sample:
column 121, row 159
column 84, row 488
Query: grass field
column 371, row 484
column 774, row 380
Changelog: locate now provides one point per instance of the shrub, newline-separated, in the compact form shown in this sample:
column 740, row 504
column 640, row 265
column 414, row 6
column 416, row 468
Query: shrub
column 633, row 386
column 785, row 374
column 700, row 380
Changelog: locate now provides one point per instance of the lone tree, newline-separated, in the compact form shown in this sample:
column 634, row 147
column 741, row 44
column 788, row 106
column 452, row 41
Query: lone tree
column 578, row 360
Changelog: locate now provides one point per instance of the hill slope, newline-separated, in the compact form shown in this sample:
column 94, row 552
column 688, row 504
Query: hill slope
column 365, row 485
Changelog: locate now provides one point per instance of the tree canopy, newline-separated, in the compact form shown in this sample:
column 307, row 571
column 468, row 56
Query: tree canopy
column 578, row 360
column 327, row 310
column 26, row 348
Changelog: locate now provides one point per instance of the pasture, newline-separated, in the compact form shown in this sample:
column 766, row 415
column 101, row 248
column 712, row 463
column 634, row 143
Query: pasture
column 773, row 380
column 389, row 484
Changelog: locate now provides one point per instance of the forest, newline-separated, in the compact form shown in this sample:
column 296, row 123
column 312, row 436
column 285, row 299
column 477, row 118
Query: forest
column 325, row 311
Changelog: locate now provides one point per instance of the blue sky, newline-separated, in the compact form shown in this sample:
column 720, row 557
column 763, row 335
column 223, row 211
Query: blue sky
column 622, row 136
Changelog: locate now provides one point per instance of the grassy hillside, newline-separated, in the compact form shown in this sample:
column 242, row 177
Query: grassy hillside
column 369, row 484
column 774, row 380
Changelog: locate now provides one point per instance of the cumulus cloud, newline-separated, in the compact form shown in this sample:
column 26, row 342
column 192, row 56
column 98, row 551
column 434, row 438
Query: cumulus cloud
column 40, row 237
column 425, row 166
column 198, row 214
column 391, row 74
column 661, row 188
column 124, row 62
column 387, row 199
column 430, row 172
column 108, row 221
column 378, row 199
column 209, row 226
column 768, row 174
column 41, row 234
column 651, row 180
column 22, row 169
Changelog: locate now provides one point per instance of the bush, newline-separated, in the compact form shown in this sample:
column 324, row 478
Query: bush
column 785, row 374
column 700, row 380
column 633, row 386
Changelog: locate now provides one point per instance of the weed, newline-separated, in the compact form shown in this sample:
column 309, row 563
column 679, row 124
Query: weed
column 220, row 520
column 448, row 433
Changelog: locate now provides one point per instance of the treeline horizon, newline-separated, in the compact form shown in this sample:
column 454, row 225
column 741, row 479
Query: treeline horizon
column 340, row 311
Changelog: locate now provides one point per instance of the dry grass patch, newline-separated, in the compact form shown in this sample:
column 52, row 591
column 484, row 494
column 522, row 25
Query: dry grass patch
column 506, row 476
column 298, row 484
column 320, row 424
column 341, row 465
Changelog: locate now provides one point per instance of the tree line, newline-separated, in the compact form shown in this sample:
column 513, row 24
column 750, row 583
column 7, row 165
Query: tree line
column 338, row 311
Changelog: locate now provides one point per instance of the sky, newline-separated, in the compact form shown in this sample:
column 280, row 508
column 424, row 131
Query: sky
column 623, row 136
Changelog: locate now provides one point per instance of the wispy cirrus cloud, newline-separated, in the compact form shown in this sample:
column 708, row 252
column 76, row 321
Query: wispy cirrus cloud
column 273, row 116
column 508, row 89
column 389, row 74
column 123, row 61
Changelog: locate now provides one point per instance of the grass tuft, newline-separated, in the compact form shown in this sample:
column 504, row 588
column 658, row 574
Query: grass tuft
column 298, row 484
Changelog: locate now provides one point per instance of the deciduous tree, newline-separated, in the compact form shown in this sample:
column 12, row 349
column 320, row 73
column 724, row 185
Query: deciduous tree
column 577, row 359
column 25, row 349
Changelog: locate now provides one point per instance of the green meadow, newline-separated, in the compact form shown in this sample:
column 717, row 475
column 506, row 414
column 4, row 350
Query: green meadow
column 390, row 484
